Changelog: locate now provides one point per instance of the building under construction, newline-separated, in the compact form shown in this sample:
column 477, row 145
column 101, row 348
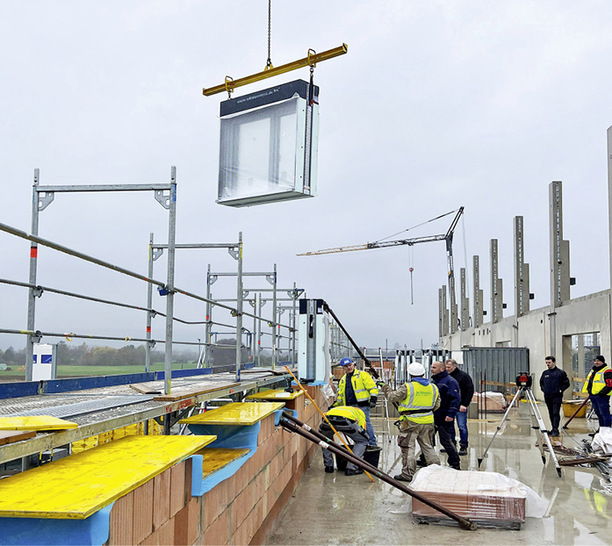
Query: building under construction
column 222, row 453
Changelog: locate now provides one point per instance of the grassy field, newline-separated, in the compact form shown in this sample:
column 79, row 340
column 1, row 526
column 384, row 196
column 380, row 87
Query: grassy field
column 88, row 371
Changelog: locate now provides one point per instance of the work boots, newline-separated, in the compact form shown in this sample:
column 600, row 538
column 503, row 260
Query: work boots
column 463, row 450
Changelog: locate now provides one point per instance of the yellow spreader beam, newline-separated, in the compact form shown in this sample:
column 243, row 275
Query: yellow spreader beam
column 79, row 485
column 311, row 60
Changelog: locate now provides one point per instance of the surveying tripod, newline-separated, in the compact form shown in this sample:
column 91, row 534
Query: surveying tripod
column 523, row 382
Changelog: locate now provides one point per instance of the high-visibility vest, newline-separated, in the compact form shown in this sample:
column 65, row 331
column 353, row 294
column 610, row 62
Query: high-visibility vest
column 419, row 402
column 598, row 381
column 363, row 385
column 349, row 412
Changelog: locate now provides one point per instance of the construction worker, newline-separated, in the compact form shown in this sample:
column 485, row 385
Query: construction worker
column 598, row 386
column 357, row 389
column 466, row 389
column 553, row 382
column 351, row 422
column 444, row 416
column 417, row 401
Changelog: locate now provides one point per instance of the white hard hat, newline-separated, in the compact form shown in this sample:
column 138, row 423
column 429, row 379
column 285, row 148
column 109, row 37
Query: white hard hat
column 416, row 370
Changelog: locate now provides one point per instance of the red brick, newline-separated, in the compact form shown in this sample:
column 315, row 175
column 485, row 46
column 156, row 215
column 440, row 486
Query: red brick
column 177, row 488
column 143, row 511
column 187, row 524
column 161, row 499
column 121, row 516
column 188, row 474
column 218, row 531
column 166, row 533
column 216, row 501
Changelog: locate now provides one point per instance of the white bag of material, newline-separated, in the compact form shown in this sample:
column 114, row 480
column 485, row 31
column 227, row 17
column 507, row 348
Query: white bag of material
column 602, row 441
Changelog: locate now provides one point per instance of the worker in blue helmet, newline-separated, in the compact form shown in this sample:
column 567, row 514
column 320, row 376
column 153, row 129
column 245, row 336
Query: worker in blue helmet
column 357, row 389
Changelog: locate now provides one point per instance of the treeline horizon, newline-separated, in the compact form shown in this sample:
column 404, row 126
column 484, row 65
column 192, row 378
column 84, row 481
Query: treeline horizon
column 69, row 354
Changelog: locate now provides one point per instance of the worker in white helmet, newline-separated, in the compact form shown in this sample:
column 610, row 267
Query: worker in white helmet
column 417, row 400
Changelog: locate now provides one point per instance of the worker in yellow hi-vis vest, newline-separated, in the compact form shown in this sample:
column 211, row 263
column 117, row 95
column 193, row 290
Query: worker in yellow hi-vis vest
column 598, row 385
column 351, row 422
column 357, row 388
column 417, row 400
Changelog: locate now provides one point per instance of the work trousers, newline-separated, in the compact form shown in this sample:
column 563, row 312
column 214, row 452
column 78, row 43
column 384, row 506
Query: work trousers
column 553, row 403
column 409, row 435
column 445, row 430
column 461, row 419
column 601, row 405
column 350, row 429
column 369, row 427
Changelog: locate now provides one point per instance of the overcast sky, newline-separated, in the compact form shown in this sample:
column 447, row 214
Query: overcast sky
column 437, row 105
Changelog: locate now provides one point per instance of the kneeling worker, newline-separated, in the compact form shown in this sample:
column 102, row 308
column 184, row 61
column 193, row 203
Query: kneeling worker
column 417, row 401
column 351, row 422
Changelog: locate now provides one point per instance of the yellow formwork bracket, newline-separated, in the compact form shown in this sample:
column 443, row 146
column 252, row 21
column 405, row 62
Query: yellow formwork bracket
column 311, row 60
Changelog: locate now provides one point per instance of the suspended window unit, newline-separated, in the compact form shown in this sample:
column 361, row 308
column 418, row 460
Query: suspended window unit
column 269, row 142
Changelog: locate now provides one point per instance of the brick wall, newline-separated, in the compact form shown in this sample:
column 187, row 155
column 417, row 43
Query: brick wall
column 243, row 509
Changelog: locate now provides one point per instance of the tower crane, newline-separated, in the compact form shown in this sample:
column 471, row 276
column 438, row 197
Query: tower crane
column 446, row 237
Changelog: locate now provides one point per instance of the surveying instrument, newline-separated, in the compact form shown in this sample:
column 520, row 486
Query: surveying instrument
column 523, row 382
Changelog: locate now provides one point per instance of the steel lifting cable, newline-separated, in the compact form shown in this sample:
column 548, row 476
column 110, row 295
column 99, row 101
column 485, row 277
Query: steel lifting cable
column 269, row 61
column 418, row 225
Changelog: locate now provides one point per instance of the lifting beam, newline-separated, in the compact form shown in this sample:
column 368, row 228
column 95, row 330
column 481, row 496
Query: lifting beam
column 311, row 60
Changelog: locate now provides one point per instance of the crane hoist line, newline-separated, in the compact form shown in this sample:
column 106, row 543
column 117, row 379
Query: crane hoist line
column 447, row 237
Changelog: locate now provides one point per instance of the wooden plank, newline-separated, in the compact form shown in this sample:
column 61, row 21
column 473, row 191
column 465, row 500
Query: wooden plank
column 193, row 390
column 148, row 388
column 181, row 391
column 35, row 422
column 236, row 413
column 79, row 485
column 10, row 436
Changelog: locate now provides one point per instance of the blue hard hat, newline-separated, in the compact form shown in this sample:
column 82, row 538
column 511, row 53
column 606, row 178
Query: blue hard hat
column 346, row 361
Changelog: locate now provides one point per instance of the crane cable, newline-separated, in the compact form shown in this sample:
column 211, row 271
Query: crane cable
column 269, row 60
column 418, row 225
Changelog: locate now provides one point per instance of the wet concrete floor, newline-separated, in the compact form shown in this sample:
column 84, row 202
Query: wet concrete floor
column 338, row 509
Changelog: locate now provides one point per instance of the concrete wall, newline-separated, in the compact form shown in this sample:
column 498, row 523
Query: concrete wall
column 543, row 332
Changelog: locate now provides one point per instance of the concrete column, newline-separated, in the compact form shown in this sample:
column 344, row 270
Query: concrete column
column 559, row 250
column 521, row 270
column 608, row 341
column 478, row 294
column 497, row 296
column 465, row 303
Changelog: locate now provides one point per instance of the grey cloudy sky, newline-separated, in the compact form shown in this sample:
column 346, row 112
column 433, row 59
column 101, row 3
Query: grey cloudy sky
column 438, row 104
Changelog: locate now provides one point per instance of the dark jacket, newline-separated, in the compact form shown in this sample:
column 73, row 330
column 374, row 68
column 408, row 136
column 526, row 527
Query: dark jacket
column 554, row 382
column 466, row 386
column 450, row 396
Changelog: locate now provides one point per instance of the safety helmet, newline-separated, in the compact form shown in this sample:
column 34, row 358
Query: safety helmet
column 416, row 370
column 346, row 361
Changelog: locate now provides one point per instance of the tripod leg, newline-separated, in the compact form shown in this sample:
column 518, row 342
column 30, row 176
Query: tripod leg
column 535, row 412
column 500, row 425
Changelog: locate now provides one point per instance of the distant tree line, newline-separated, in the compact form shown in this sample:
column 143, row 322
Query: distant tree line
column 69, row 354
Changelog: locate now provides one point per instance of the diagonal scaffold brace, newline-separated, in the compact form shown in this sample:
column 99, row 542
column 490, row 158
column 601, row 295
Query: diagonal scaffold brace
column 292, row 424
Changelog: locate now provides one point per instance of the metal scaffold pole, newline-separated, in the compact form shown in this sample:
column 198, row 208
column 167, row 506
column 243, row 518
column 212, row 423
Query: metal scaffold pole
column 170, row 285
column 239, row 305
